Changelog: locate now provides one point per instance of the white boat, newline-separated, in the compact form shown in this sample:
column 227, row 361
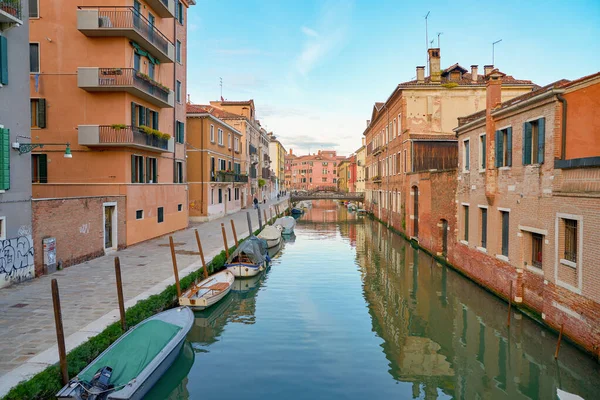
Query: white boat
column 209, row 291
column 248, row 259
column 271, row 234
column 287, row 224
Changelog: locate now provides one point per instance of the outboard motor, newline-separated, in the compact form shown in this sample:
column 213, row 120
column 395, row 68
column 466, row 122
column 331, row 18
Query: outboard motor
column 100, row 385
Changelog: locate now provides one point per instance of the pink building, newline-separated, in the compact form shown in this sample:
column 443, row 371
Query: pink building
column 314, row 171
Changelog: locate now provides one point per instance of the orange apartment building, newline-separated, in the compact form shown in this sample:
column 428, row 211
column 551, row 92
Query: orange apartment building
column 315, row 171
column 110, row 81
column 216, row 164
column 411, row 149
column 528, row 202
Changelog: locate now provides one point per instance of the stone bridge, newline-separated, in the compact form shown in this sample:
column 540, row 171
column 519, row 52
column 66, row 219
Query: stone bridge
column 327, row 195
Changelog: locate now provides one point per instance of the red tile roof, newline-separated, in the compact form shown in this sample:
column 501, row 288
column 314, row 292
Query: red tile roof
column 465, row 79
column 215, row 112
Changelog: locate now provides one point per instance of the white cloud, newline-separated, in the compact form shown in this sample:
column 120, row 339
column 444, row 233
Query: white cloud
column 309, row 32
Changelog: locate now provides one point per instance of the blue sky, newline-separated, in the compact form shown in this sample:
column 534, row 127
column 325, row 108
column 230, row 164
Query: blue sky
column 315, row 68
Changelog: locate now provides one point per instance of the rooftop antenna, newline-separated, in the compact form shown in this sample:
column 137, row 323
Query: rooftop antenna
column 221, row 84
column 431, row 42
column 494, row 44
column 426, row 41
column 439, row 33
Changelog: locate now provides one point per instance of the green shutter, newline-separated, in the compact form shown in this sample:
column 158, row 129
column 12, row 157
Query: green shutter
column 3, row 60
column 4, row 159
column 43, row 168
column 41, row 110
column 133, row 122
column 155, row 120
column 147, row 169
column 509, row 147
column 155, row 171
column 541, row 139
column 499, row 151
column 133, row 167
column 527, row 143
column 484, row 149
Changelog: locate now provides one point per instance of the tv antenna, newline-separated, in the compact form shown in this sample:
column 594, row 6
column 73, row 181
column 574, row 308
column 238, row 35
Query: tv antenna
column 426, row 40
column 221, row 84
column 438, row 34
column 494, row 44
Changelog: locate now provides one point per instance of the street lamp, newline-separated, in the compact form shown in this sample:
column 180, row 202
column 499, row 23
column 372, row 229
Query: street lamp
column 24, row 148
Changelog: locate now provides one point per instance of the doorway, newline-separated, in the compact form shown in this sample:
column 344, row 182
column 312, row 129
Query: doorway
column 110, row 226
column 416, row 211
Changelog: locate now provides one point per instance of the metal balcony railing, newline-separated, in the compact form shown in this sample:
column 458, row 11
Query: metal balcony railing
column 130, row 18
column 11, row 7
column 224, row 176
column 131, row 135
column 131, row 77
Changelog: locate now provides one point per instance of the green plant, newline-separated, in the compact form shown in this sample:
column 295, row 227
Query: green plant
column 151, row 81
column 154, row 132
column 450, row 85
column 118, row 126
column 261, row 183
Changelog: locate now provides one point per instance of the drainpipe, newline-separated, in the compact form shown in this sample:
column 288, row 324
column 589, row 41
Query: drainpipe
column 563, row 144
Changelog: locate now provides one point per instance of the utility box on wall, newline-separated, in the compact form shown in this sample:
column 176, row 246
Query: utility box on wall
column 49, row 245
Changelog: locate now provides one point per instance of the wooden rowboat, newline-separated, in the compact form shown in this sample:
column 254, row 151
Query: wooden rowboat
column 248, row 259
column 208, row 292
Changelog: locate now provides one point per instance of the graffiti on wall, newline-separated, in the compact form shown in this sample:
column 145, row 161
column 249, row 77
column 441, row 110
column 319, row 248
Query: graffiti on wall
column 16, row 260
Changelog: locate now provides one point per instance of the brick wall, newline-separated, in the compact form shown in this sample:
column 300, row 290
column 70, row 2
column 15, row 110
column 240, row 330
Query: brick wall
column 78, row 226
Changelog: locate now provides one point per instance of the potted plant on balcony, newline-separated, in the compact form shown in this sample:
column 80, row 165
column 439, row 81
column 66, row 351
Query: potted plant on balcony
column 11, row 7
column 118, row 127
column 151, row 81
column 112, row 71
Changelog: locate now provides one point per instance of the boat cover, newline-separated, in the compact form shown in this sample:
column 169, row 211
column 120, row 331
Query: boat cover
column 134, row 352
column 254, row 248
column 286, row 222
column 270, row 233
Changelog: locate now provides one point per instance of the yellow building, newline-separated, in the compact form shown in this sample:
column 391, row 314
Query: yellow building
column 277, row 154
column 343, row 175
column 361, row 155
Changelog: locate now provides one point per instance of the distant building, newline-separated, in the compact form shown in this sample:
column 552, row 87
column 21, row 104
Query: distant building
column 360, row 168
column 289, row 158
column 343, row 172
column 315, row 171
column 277, row 154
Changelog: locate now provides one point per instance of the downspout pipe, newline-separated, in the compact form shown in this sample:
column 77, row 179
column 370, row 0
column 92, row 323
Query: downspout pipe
column 563, row 141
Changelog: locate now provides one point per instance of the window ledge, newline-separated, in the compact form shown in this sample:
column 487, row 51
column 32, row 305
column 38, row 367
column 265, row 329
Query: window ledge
column 464, row 242
column 535, row 270
column 502, row 257
column 481, row 249
column 568, row 263
column 481, row 171
column 504, row 168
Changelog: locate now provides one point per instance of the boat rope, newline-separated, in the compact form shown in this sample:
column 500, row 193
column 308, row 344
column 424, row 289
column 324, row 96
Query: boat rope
column 104, row 391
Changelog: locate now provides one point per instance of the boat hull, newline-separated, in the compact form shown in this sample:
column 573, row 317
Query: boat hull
column 241, row 270
column 273, row 242
column 208, row 297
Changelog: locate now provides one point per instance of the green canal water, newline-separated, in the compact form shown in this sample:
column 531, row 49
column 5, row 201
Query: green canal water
column 349, row 310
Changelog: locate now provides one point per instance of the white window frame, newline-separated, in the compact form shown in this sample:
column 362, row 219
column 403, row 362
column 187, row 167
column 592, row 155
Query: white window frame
column 38, row 11
column 39, row 54
column 114, row 223
column 2, row 228
column 229, row 140
column 558, row 260
column 481, row 152
column 220, row 136
column 212, row 133
column 236, row 144
column 466, row 142
column 139, row 219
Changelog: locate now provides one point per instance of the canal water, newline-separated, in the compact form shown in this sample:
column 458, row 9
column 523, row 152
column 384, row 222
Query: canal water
column 349, row 310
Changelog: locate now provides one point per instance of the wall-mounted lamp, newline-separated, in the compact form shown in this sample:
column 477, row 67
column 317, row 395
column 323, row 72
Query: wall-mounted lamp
column 27, row 147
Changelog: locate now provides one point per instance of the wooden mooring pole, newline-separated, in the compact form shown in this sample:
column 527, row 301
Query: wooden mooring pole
column 234, row 233
column 225, row 240
column 60, row 334
column 266, row 220
column 249, row 224
column 259, row 219
column 175, row 270
column 201, row 253
column 559, row 340
column 509, row 304
column 120, row 293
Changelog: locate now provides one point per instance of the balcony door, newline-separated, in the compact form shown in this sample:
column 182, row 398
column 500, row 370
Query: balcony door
column 110, row 226
column 136, row 13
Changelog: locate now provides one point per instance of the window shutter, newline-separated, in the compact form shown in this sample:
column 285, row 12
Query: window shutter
column 484, row 151
column 133, row 166
column 527, row 143
column 4, row 159
column 41, row 110
column 509, row 147
column 142, row 115
column 499, row 160
column 155, row 120
column 3, row 60
column 148, row 170
column 43, row 168
column 155, row 170
column 133, row 122
column 541, row 139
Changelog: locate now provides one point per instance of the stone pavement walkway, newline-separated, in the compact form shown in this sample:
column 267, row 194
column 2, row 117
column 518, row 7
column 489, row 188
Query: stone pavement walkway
column 88, row 294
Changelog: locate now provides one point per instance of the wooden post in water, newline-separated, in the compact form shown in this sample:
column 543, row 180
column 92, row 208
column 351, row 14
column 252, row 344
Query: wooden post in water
column 509, row 304
column 234, row 233
column 225, row 240
column 249, row 224
column 559, row 339
column 60, row 334
column 259, row 219
column 175, row 270
column 201, row 254
column 120, row 293
column 266, row 220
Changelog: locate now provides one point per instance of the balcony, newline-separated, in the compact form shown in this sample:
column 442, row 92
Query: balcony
column 126, row 22
column 163, row 8
column 224, row 176
column 10, row 12
column 122, row 136
column 376, row 179
column 254, row 158
column 125, row 80
column 378, row 149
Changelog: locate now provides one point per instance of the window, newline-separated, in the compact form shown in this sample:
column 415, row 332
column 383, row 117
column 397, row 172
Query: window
column 323, row 179
column 405, row 161
column 334, row 180
column 161, row 214
column 178, row 52
column 504, row 147
column 212, row 133
column 570, row 244
column 505, row 226
column 466, row 222
column 179, row 12
column 39, row 168
column 2, row 228
column 139, row 214
column 34, row 57
column 180, row 132
column 236, row 144
column 151, row 70
column 222, row 165
column 534, row 141
column 151, row 170
column 482, row 152
column 3, row 60
column 483, row 228
column 229, row 140
column 220, row 136
column 399, row 124
column 38, row 113
column 229, row 194
column 178, row 94
column 5, row 158
column 466, row 154
column 137, row 169
column 237, row 168
column 220, row 196
column 212, row 196
column 141, row 115
column 537, row 241
column 179, row 175
column 179, row 207
column 33, row 9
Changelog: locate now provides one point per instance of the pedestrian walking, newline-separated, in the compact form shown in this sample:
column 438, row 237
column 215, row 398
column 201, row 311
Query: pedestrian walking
column 255, row 202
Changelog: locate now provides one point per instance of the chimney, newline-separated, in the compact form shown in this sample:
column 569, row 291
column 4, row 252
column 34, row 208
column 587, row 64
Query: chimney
column 434, row 65
column 474, row 73
column 493, row 99
column 291, row 154
column 364, row 140
column 368, row 122
column 487, row 69
column 420, row 74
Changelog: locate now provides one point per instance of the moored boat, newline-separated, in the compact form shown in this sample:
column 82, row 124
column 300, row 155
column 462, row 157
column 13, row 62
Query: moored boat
column 287, row 224
column 271, row 234
column 248, row 259
column 135, row 362
column 297, row 210
column 209, row 291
